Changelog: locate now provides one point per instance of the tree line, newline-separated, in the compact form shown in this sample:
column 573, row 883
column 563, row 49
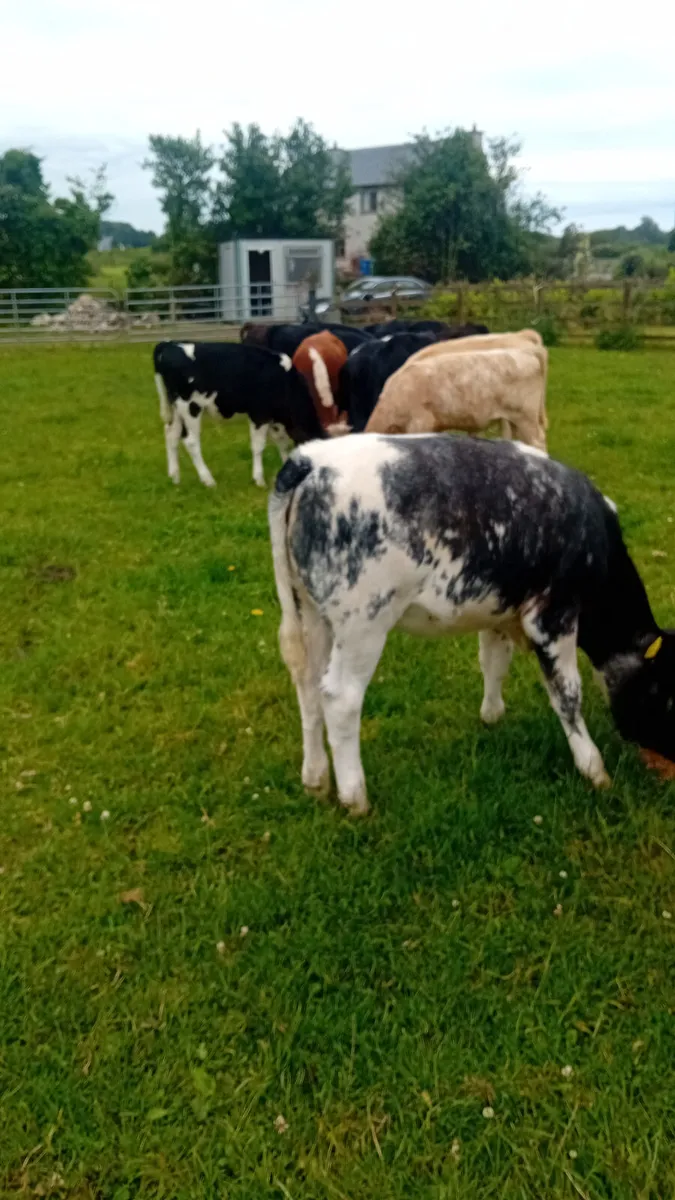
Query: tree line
column 462, row 211
column 461, row 214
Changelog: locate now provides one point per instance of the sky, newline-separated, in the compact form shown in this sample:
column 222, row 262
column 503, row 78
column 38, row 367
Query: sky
column 588, row 87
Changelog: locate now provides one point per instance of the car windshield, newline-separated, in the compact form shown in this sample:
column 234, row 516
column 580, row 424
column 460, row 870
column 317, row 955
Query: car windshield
column 362, row 285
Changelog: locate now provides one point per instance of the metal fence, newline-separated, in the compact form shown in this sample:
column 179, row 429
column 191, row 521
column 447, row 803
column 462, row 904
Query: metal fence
column 142, row 314
column 577, row 310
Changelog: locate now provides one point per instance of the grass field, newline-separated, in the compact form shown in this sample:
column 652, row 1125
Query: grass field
column 401, row 975
column 110, row 268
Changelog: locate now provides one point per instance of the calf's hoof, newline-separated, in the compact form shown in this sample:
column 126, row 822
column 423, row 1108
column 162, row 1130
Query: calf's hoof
column 491, row 713
column 317, row 782
column 356, row 802
column 601, row 780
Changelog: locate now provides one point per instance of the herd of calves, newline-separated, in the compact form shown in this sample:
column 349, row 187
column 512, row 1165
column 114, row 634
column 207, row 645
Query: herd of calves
column 433, row 534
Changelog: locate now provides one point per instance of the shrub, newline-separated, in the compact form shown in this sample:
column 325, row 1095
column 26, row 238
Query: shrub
column 625, row 338
column 549, row 329
column 631, row 265
column 144, row 272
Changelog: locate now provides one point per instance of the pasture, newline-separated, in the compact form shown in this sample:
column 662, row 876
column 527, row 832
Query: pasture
column 213, row 985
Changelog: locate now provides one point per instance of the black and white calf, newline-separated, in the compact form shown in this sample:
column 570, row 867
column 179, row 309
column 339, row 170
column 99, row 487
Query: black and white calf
column 223, row 379
column 367, row 370
column 442, row 534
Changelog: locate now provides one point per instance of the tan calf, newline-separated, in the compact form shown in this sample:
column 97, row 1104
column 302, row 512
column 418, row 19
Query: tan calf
column 467, row 391
column 524, row 338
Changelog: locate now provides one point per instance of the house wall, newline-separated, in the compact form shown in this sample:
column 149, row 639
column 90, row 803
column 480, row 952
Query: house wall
column 360, row 225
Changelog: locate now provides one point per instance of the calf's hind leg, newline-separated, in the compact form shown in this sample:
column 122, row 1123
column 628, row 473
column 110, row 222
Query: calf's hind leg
column 350, row 670
column 305, row 651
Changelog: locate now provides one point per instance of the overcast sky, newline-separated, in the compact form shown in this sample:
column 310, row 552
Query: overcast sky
column 589, row 86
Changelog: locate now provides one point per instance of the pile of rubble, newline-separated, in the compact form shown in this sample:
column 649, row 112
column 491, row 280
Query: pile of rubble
column 89, row 314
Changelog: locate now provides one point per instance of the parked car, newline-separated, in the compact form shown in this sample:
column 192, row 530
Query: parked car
column 373, row 291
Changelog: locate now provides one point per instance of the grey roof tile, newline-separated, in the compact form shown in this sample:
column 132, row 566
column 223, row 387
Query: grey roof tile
column 376, row 165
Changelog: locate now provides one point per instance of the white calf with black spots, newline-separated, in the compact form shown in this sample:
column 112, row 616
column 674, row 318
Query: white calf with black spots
column 440, row 535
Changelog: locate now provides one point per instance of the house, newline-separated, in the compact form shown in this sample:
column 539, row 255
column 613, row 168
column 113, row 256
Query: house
column 374, row 171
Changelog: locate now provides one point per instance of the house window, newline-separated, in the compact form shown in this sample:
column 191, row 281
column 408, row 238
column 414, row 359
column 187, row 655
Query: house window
column 369, row 200
column 340, row 248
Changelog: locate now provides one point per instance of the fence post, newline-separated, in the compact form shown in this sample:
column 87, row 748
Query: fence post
column 15, row 309
column 172, row 307
column 626, row 302
column 461, row 303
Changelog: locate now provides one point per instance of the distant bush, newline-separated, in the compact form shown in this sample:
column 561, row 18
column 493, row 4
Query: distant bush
column 631, row 265
column 146, row 271
column 625, row 338
column 606, row 250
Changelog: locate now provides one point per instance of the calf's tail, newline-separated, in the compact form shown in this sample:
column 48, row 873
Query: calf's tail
column 163, row 356
column 291, row 638
column 165, row 410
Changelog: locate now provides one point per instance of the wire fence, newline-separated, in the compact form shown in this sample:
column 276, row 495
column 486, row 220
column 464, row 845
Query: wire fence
column 143, row 314
column 576, row 311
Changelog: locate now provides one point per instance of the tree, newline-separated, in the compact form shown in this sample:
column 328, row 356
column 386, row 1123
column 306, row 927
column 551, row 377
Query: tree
column 631, row 265
column 45, row 243
column 568, row 247
column 292, row 185
column 249, row 202
column 649, row 233
column 181, row 171
column 462, row 214
column 315, row 185
column 96, row 194
column 23, row 170
column 671, row 243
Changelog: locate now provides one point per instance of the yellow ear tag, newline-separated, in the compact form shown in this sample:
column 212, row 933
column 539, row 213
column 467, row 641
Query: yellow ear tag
column 652, row 651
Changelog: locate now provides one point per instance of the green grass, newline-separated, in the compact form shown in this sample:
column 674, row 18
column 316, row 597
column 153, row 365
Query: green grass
column 399, row 973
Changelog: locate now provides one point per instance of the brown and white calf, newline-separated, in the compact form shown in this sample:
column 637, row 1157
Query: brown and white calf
column 320, row 359
column 443, row 535
column 467, row 391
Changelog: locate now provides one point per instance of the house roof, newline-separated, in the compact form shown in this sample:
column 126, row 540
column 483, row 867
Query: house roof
column 376, row 165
